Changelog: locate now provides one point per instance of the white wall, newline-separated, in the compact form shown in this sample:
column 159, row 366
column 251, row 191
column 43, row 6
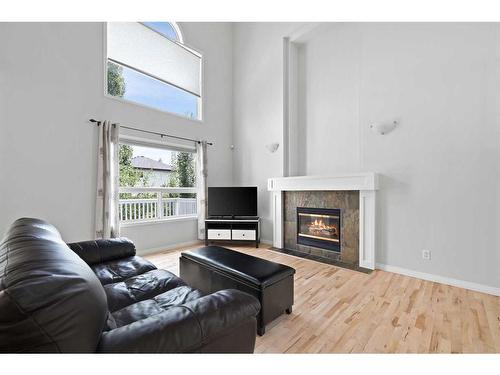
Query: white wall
column 258, row 108
column 51, row 77
column 328, row 102
column 439, row 169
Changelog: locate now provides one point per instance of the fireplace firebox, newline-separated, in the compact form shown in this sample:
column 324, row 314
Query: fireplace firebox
column 319, row 227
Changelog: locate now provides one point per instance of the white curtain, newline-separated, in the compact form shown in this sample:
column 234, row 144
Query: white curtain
column 106, row 211
column 201, row 183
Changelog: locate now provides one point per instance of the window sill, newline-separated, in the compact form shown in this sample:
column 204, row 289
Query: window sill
column 159, row 221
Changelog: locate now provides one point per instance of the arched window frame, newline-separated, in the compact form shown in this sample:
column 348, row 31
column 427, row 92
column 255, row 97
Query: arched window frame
column 178, row 31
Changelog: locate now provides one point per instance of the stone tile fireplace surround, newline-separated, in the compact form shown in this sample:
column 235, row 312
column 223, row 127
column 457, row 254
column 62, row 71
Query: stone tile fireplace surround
column 353, row 195
column 345, row 201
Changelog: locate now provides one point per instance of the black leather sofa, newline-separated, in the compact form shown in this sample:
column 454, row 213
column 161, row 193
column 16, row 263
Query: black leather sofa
column 102, row 297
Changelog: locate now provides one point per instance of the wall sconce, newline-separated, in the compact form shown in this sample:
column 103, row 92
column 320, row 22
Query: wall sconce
column 272, row 147
column 384, row 127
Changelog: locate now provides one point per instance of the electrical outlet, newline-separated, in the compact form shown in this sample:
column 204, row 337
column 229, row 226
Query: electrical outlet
column 426, row 254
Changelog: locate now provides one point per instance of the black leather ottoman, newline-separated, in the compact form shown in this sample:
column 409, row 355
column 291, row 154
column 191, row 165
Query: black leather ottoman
column 213, row 268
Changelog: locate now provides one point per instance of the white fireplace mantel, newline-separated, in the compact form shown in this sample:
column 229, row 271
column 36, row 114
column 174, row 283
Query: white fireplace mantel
column 365, row 183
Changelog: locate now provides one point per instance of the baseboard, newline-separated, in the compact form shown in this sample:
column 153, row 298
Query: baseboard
column 169, row 247
column 266, row 242
column 440, row 279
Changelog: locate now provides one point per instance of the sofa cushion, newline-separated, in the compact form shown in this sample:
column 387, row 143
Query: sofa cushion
column 139, row 288
column 120, row 269
column 50, row 300
column 141, row 310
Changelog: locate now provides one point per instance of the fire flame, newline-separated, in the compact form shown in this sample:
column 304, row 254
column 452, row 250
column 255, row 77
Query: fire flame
column 319, row 225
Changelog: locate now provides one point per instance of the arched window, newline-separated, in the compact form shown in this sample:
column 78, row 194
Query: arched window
column 168, row 29
column 148, row 64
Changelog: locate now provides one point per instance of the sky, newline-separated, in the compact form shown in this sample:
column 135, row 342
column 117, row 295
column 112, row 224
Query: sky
column 145, row 90
column 152, row 153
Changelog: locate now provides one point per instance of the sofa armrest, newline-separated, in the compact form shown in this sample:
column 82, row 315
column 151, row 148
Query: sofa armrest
column 103, row 250
column 187, row 327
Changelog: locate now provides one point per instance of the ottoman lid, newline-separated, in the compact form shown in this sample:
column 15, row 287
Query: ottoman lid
column 255, row 270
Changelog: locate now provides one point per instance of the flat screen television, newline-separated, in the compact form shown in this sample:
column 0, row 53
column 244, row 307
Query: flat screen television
column 232, row 201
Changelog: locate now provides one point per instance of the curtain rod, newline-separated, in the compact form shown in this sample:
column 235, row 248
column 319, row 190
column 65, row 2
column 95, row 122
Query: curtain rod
column 151, row 132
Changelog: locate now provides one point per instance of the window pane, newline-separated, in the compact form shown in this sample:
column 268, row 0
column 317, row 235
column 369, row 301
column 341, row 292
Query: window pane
column 143, row 167
column 156, row 167
column 164, row 28
column 183, row 164
column 140, row 88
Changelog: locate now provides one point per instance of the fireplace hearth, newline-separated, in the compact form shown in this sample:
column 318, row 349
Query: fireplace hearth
column 319, row 227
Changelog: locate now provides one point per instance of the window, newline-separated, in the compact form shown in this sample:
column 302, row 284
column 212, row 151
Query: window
column 148, row 64
column 167, row 29
column 156, row 184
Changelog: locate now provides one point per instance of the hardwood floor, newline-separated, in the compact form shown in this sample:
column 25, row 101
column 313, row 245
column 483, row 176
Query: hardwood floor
column 342, row 311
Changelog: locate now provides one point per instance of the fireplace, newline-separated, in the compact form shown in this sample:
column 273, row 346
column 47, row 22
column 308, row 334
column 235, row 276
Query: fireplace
column 319, row 227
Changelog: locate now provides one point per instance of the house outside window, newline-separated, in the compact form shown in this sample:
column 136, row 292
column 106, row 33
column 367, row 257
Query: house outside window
column 148, row 64
column 156, row 184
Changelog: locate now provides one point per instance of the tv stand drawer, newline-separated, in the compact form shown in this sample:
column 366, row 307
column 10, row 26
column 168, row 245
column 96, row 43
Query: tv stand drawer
column 219, row 234
column 242, row 234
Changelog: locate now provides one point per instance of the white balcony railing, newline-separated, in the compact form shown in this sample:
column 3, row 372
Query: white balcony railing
column 150, row 209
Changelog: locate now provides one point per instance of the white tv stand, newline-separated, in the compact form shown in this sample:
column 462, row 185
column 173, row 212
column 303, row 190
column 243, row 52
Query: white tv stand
column 237, row 229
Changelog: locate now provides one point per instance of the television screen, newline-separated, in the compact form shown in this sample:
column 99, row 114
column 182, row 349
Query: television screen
column 232, row 201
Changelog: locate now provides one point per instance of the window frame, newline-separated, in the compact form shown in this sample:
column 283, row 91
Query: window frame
column 170, row 146
column 178, row 30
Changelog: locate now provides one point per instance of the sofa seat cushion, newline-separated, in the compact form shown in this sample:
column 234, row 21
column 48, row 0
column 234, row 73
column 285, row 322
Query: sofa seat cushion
column 139, row 288
column 118, row 270
column 156, row 305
